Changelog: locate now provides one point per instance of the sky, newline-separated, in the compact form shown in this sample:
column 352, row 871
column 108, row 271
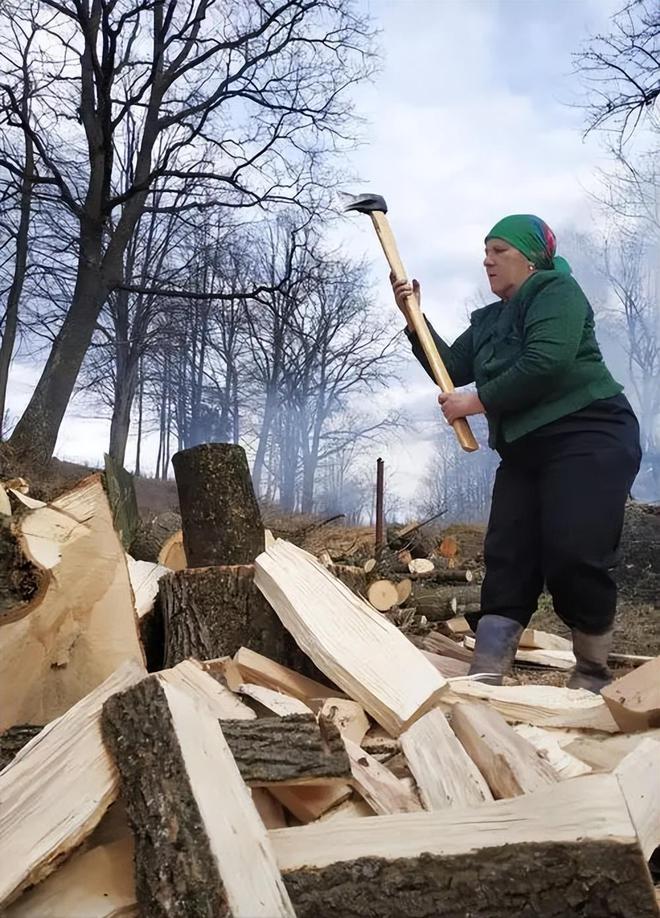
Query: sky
column 472, row 116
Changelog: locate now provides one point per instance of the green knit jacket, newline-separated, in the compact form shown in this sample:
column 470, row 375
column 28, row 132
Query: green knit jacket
column 534, row 358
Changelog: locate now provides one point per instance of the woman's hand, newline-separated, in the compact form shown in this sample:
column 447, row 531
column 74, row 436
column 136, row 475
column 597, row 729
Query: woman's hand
column 403, row 289
column 459, row 405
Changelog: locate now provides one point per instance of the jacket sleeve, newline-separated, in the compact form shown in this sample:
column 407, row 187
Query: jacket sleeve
column 553, row 328
column 457, row 357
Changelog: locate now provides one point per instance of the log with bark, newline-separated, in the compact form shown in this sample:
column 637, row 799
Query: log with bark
column 200, row 845
column 211, row 612
column 293, row 749
column 152, row 533
column 569, row 850
column 221, row 520
column 439, row 601
column 120, row 489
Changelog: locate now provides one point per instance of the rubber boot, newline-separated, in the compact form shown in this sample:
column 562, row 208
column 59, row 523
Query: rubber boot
column 495, row 648
column 591, row 652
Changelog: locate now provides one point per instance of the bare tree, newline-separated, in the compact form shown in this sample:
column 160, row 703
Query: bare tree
column 622, row 71
column 459, row 484
column 19, row 181
column 242, row 98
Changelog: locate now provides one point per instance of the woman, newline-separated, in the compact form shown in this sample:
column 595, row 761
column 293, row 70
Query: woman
column 569, row 446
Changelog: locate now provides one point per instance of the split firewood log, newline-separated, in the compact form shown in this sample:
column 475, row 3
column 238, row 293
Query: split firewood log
column 201, row 847
column 634, row 699
column 57, row 789
column 355, row 646
column 67, row 616
column 172, row 554
column 571, row 848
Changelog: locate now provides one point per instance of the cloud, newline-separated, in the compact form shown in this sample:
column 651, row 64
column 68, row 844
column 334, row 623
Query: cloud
column 466, row 122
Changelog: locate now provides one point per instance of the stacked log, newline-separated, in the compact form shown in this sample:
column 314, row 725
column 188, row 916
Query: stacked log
column 431, row 587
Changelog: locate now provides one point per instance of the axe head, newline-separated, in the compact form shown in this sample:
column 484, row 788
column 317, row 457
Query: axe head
column 365, row 203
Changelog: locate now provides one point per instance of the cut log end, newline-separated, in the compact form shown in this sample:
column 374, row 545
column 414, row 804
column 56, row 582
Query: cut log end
column 383, row 595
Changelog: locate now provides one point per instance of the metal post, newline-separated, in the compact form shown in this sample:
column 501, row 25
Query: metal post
column 380, row 522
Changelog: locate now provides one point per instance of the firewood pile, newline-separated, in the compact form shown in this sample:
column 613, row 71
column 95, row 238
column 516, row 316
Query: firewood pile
column 288, row 750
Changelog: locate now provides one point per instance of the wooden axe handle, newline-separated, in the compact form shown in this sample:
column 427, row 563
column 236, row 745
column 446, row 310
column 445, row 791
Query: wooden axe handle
column 461, row 427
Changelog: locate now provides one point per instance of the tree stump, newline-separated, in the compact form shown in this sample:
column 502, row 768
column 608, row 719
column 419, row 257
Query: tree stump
column 212, row 611
column 221, row 521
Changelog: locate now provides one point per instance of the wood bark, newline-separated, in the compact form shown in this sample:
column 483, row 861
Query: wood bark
column 213, row 611
column 439, row 602
column 201, row 847
column 600, row 879
column 120, row 488
column 221, row 521
column 13, row 740
column 564, row 852
column 287, row 750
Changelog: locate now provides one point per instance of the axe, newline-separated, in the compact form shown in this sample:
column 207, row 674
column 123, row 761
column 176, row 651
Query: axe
column 375, row 206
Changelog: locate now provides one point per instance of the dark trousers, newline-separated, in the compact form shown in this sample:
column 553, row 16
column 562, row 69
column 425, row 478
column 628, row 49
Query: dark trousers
column 557, row 514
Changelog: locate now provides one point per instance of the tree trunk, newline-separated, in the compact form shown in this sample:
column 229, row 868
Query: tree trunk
column 36, row 433
column 221, row 518
column 20, row 263
column 138, row 445
column 264, row 433
column 212, row 612
column 121, row 414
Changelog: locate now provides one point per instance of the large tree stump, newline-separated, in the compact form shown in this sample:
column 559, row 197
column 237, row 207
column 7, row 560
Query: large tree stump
column 221, row 518
column 211, row 612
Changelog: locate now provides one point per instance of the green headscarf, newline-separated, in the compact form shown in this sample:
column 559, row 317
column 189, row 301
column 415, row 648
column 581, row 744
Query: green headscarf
column 534, row 238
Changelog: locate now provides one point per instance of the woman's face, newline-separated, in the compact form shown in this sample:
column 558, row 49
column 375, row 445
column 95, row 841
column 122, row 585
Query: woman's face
column 506, row 267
